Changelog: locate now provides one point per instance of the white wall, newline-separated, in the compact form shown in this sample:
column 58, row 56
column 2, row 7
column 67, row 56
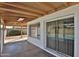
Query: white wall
column 67, row 12
column 2, row 40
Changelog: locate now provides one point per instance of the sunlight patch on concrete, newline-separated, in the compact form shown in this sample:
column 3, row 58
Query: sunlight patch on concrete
column 15, row 39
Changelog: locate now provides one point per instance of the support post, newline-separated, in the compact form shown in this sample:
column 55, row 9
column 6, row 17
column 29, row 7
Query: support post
column 2, row 34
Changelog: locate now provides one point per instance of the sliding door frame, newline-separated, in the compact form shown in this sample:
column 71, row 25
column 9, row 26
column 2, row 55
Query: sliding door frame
column 56, row 19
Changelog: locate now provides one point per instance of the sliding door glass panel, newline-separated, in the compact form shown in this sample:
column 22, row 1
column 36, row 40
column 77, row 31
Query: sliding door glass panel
column 61, row 36
column 69, row 36
column 56, row 36
column 51, row 35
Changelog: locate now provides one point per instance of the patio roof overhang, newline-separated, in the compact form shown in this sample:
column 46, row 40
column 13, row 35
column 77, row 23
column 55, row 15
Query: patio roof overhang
column 12, row 11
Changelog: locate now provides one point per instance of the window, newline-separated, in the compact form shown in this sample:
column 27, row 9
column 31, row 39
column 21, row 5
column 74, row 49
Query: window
column 60, row 36
column 34, row 30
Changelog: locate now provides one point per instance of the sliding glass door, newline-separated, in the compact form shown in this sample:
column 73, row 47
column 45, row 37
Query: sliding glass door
column 60, row 36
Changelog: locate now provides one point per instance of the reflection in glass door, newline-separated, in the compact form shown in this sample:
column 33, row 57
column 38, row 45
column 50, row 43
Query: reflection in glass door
column 51, row 35
column 60, row 36
column 69, row 36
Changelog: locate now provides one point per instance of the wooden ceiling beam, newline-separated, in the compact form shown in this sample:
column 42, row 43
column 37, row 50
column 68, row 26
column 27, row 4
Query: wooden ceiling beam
column 15, row 20
column 26, row 8
column 16, row 24
column 17, row 15
column 66, row 4
column 70, row 3
column 20, row 12
column 46, row 5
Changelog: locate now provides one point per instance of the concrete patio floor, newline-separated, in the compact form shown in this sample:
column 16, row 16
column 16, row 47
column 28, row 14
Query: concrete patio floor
column 23, row 49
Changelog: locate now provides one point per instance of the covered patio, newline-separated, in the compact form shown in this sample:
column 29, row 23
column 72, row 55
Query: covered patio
column 18, row 14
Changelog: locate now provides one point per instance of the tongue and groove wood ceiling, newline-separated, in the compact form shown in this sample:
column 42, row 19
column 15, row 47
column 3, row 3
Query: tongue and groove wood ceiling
column 12, row 11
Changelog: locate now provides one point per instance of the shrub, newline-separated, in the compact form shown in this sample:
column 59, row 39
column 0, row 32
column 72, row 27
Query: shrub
column 14, row 33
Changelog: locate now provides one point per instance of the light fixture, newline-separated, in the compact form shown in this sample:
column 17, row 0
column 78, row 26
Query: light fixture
column 20, row 19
